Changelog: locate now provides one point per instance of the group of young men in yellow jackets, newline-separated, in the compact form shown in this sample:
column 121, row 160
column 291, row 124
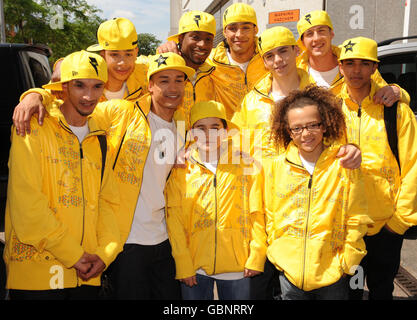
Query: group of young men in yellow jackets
column 262, row 160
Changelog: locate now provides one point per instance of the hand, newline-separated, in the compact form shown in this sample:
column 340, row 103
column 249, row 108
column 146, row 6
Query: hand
column 97, row 266
column 181, row 157
column 248, row 273
column 82, row 265
column 387, row 95
column 190, row 281
column 169, row 46
column 23, row 112
column 351, row 156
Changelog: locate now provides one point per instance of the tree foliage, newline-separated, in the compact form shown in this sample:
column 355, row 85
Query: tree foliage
column 147, row 44
column 65, row 26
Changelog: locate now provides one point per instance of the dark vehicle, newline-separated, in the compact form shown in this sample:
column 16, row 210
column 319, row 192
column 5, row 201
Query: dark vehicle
column 23, row 67
column 398, row 65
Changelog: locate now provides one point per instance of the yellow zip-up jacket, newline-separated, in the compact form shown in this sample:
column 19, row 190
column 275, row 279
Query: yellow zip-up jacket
column 58, row 207
column 336, row 86
column 210, row 220
column 315, row 223
column 202, row 89
column 392, row 195
column 129, row 137
column 230, row 82
column 256, row 110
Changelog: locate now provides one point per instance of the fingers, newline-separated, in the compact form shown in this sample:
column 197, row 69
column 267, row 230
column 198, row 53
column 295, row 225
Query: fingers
column 169, row 46
column 387, row 95
column 191, row 281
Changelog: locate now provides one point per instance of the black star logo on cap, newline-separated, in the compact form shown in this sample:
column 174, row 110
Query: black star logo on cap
column 94, row 63
column 349, row 46
column 161, row 60
column 225, row 15
column 197, row 19
column 260, row 42
column 307, row 18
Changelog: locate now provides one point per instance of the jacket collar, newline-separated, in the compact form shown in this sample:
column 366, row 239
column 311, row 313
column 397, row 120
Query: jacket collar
column 219, row 54
column 344, row 94
column 56, row 113
column 264, row 86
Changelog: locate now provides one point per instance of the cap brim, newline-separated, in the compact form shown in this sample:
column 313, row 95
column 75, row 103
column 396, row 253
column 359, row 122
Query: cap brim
column 174, row 37
column 54, row 86
column 94, row 48
column 187, row 70
column 359, row 57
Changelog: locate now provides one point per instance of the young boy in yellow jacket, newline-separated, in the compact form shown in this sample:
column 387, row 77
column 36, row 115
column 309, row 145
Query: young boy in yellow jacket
column 62, row 199
column 316, row 213
column 391, row 187
column 214, row 232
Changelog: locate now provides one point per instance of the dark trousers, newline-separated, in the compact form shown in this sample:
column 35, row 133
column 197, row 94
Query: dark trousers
column 266, row 286
column 144, row 273
column 78, row 293
column 380, row 265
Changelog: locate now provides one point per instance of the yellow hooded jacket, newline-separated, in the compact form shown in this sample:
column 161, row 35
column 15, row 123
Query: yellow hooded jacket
column 315, row 223
column 336, row 86
column 231, row 83
column 256, row 110
column 210, row 220
column 392, row 195
column 58, row 207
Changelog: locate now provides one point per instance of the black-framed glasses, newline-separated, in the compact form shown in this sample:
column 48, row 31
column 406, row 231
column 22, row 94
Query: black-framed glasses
column 310, row 127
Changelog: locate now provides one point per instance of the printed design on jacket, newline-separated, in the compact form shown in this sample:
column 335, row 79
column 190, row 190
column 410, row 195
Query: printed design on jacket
column 21, row 251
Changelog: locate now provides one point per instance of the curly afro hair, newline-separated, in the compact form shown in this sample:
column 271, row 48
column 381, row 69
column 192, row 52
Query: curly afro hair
column 329, row 107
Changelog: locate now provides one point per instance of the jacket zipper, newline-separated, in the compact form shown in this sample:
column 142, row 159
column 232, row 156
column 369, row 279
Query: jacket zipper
column 360, row 122
column 310, row 181
column 215, row 222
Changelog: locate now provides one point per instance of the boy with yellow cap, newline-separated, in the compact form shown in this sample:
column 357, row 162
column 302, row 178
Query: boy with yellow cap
column 195, row 42
column 216, row 234
column 391, row 187
column 118, row 45
column 238, row 63
column 61, row 227
column 319, row 58
column 279, row 51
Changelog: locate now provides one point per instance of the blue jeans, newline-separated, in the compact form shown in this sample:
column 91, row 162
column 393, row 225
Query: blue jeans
column 226, row 289
column 336, row 291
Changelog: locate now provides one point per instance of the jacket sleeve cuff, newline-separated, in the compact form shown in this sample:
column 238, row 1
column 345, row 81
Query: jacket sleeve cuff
column 108, row 253
column 68, row 251
column 396, row 225
column 184, row 267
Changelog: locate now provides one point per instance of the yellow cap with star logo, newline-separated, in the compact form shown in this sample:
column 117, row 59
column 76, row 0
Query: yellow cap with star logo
column 275, row 37
column 80, row 65
column 312, row 19
column 359, row 48
column 195, row 21
column 116, row 34
column 168, row 61
column 209, row 109
column 239, row 12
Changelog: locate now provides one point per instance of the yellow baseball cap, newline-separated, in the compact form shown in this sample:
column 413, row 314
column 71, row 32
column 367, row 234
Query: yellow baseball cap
column 312, row 19
column 359, row 48
column 195, row 21
column 209, row 109
column 275, row 37
column 239, row 12
column 168, row 61
column 116, row 34
column 80, row 65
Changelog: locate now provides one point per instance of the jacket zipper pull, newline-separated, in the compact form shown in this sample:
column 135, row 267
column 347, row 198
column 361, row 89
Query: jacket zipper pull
column 215, row 182
column 359, row 111
column 310, row 182
column 81, row 152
